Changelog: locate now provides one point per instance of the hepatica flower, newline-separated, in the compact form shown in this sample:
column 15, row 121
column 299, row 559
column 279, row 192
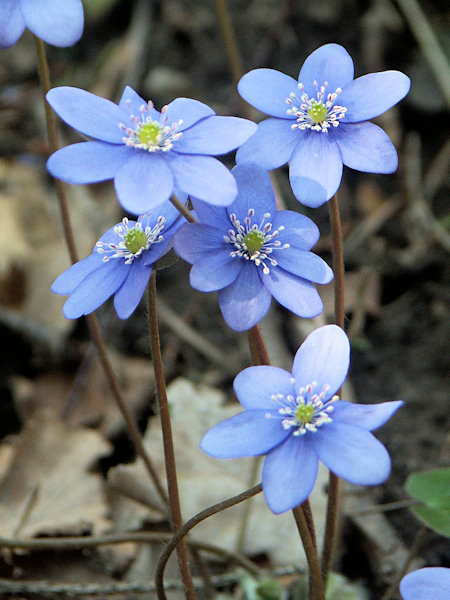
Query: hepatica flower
column 120, row 264
column 320, row 121
column 249, row 252
column 431, row 583
column 147, row 153
column 296, row 419
column 57, row 22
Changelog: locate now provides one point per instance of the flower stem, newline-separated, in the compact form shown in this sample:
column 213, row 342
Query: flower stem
column 316, row 587
column 258, row 348
column 229, row 38
column 169, row 453
column 183, row 210
column 333, row 506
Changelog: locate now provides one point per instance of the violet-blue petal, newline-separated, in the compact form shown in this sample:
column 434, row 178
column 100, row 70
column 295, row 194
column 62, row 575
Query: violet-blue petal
column 289, row 474
column 352, row 453
column 12, row 24
column 267, row 90
column 366, row 147
column 255, row 191
column 95, row 289
column 194, row 240
column 129, row 295
column 253, row 395
column 132, row 103
column 214, row 272
column 143, row 183
column 299, row 231
column 187, row 110
column 315, row 169
column 330, row 63
column 215, row 135
column 371, row 95
column 59, row 23
column 295, row 294
column 324, row 357
column 217, row 216
column 203, row 177
column 271, row 146
column 88, row 162
column 246, row 301
column 94, row 116
column 304, row 264
column 249, row 433
column 72, row 277
column 430, row 583
column 368, row 416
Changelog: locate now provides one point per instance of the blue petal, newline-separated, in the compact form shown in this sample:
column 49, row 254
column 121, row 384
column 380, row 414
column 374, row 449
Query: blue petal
column 217, row 216
column 94, row 116
column 373, row 94
column 304, row 264
column 143, row 183
column 366, row 147
column 57, row 23
column 330, row 63
column 299, row 231
column 255, row 386
column 289, row 474
column 294, row 293
column 352, row 453
column 11, row 23
column 316, row 169
column 203, row 177
column 246, row 301
column 88, row 162
column 132, row 289
column 431, row 583
column 132, row 103
column 72, row 277
column 267, row 90
column 254, row 191
column 96, row 288
column 195, row 240
column 249, row 433
column 215, row 135
column 271, row 146
column 187, row 110
column 324, row 357
column 214, row 272
column 368, row 416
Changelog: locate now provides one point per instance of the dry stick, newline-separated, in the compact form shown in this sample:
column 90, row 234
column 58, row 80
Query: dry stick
column 316, row 587
column 166, row 428
column 184, row 530
column 92, row 321
column 333, row 506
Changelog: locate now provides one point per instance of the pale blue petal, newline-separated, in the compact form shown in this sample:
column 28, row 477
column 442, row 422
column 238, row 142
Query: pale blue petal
column 132, row 289
column 352, row 453
column 132, row 103
column 187, row 110
column 72, row 277
column 267, row 90
column 366, row 147
column 373, row 94
column 214, row 272
column 316, row 169
column 294, row 293
column 215, row 135
column 368, row 416
column 289, row 474
column 254, row 386
column 57, row 22
column 94, row 116
column 299, row 231
column 330, row 63
column 324, row 358
column 194, row 240
column 88, row 162
column 304, row 264
column 11, row 23
column 249, row 433
column 271, row 146
column 255, row 192
column 431, row 583
column 143, row 183
column 217, row 216
column 246, row 301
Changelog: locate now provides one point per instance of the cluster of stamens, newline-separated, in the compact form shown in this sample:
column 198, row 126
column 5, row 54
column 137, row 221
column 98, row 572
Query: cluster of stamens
column 255, row 242
column 134, row 240
column 150, row 135
column 305, row 412
column 319, row 113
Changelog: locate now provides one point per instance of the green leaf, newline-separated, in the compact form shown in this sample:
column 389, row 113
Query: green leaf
column 433, row 489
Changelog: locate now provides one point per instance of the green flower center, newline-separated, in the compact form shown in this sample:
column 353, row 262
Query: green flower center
column 304, row 413
column 254, row 241
column 135, row 239
column 150, row 133
column 317, row 112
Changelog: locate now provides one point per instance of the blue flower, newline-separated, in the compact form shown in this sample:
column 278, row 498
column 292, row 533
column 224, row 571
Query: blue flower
column 296, row 420
column 147, row 153
column 249, row 252
column 57, row 22
column 121, row 264
column 320, row 122
column 432, row 583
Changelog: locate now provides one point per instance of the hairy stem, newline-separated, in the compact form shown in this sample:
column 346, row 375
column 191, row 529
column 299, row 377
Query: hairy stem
column 316, row 588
